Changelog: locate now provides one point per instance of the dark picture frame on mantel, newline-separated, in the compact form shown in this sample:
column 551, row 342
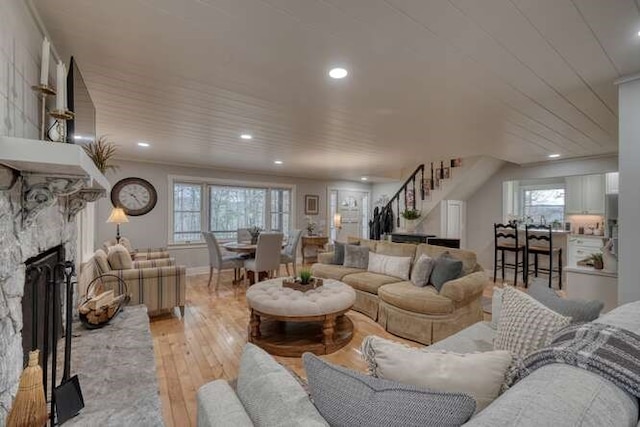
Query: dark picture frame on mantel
column 311, row 204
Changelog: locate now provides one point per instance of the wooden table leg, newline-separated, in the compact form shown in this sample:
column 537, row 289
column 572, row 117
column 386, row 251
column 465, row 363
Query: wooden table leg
column 328, row 328
column 255, row 324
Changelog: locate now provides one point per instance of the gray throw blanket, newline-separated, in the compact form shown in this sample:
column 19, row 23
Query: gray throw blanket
column 610, row 352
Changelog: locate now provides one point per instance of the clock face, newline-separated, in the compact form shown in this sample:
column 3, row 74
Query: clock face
column 135, row 195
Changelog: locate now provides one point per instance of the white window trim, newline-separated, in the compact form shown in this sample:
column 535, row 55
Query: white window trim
column 204, row 182
column 523, row 188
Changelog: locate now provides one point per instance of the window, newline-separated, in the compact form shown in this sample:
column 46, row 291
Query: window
column 224, row 208
column 187, row 212
column 544, row 204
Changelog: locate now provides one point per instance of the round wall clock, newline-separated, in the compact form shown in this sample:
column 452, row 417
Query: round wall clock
column 136, row 196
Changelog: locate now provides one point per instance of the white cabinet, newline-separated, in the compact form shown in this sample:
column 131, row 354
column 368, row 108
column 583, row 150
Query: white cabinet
column 581, row 247
column 584, row 195
column 612, row 184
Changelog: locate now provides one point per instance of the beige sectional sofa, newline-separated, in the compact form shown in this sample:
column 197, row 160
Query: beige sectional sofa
column 403, row 309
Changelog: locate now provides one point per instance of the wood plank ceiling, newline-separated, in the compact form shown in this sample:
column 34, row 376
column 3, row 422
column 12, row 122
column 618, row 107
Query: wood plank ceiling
column 429, row 79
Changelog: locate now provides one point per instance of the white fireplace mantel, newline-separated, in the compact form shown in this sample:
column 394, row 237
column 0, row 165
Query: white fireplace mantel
column 50, row 172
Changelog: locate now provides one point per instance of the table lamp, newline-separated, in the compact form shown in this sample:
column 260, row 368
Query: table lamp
column 337, row 221
column 117, row 217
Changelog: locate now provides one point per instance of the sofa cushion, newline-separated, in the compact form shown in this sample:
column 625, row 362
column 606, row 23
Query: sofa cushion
column 477, row 337
column 356, row 256
column 368, row 282
column 525, row 325
column 349, row 398
column 218, row 404
column 100, row 262
column 408, row 297
column 396, row 249
column 371, row 244
column 119, row 258
column 445, row 268
column 480, row 375
column 468, row 258
column 421, row 271
column 270, row 395
column 330, row 271
column 496, row 306
column 338, row 252
column 579, row 310
column 395, row 266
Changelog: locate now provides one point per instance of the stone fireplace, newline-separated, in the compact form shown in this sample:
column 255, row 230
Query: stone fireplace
column 42, row 188
column 17, row 244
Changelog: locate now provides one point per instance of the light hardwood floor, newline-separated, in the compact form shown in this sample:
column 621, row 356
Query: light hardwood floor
column 206, row 345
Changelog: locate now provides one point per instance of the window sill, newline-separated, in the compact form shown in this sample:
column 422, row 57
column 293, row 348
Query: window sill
column 190, row 245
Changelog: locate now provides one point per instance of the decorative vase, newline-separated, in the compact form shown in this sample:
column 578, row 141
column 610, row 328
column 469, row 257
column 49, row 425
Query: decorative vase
column 254, row 239
column 598, row 265
column 411, row 225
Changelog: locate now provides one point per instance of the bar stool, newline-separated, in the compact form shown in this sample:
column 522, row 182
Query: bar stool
column 539, row 241
column 506, row 240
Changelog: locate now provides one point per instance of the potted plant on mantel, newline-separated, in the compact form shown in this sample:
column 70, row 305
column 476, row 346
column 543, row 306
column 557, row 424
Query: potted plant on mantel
column 411, row 217
column 102, row 152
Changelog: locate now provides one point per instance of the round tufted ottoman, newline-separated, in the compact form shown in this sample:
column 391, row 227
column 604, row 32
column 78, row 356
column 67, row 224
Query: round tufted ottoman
column 286, row 322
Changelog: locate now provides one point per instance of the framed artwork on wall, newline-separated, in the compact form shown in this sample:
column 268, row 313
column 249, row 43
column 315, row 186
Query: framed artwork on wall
column 311, row 204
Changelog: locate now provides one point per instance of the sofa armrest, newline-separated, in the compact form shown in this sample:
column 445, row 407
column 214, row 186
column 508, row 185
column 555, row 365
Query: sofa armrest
column 151, row 253
column 148, row 263
column 219, row 406
column 325, row 257
column 465, row 288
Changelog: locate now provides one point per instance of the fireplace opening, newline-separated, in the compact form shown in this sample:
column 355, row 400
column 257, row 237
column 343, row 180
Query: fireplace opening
column 35, row 287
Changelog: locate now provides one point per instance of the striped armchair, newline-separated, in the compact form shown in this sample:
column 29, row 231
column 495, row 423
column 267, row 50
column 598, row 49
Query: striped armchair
column 137, row 254
column 158, row 283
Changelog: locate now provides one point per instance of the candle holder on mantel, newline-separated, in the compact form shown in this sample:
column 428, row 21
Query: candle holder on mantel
column 43, row 91
column 60, row 125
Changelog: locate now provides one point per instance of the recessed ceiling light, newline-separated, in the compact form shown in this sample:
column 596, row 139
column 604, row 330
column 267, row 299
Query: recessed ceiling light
column 246, row 136
column 638, row 33
column 554, row 156
column 364, row 178
column 338, row 73
column 143, row 144
column 278, row 162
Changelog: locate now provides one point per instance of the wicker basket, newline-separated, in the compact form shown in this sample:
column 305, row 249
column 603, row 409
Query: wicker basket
column 99, row 317
column 298, row 286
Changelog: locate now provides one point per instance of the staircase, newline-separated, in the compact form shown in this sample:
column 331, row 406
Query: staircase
column 430, row 184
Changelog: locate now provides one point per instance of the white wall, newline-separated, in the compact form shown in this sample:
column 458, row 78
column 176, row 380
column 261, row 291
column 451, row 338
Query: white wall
column 484, row 208
column 20, row 47
column 151, row 230
column 629, row 194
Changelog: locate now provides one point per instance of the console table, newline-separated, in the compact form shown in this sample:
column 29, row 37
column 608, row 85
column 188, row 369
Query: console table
column 317, row 242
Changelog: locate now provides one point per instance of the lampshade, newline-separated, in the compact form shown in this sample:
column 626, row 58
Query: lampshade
column 117, row 216
column 337, row 220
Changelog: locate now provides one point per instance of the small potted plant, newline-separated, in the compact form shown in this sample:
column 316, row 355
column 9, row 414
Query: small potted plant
column 305, row 277
column 311, row 226
column 597, row 261
column 411, row 218
column 102, row 152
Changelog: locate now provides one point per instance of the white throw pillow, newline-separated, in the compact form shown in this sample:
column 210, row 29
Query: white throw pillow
column 395, row 266
column 525, row 325
column 421, row 271
column 480, row 375
column 119, row 258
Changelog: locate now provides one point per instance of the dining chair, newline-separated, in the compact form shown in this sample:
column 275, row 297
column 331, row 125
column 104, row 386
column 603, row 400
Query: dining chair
column 220, row 262
column 243, row 235
column 267, row 256
column 290, row 252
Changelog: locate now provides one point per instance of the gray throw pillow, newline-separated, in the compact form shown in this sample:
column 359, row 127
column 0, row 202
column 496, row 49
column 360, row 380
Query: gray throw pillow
column 356, row 256
column 347, row 398
column 338, row 252
column 445, row 268
column 422, row 270
column 579, row 310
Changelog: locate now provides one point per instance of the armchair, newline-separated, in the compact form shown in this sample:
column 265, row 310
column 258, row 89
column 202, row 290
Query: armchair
column 159, row 284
